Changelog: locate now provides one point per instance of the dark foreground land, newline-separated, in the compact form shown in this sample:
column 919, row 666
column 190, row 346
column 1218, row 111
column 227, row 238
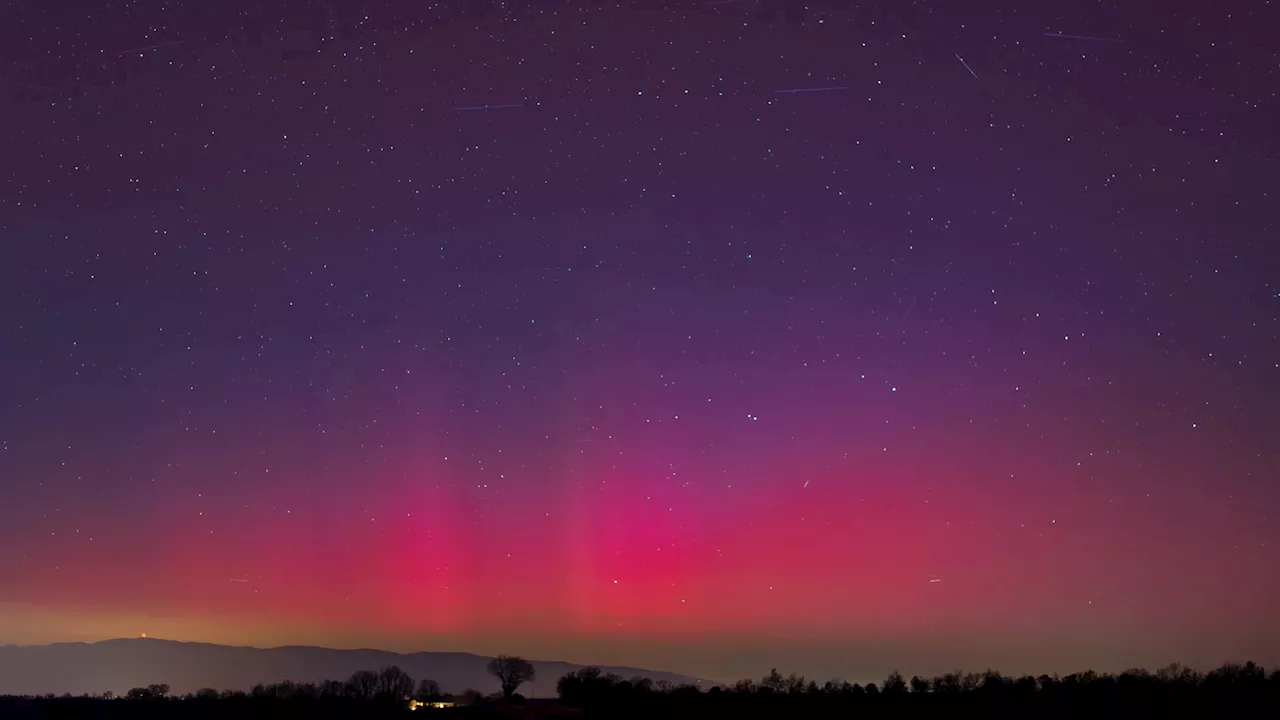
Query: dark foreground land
column 1233, row 691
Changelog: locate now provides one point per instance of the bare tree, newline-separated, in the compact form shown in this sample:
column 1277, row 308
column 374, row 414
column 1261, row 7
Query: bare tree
column 773, row 682
column 393, row 684
column 332, row 689
column 794, row 684
column 1178, row 674
column 151, row 692
column 363, row 685
column 428, row 689
column 511, row 672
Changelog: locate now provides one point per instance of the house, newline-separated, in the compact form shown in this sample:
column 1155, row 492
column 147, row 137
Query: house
column 418, row 705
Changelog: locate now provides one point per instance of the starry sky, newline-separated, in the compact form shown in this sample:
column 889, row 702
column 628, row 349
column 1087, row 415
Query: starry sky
column 709, row 337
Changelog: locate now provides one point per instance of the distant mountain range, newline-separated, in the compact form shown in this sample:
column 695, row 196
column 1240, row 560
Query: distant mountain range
column 117, row 665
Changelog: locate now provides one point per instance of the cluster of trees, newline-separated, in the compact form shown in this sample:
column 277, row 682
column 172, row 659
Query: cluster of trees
column 366, row 694
column 1175, row 690
column 390, row 685
column 149, row 692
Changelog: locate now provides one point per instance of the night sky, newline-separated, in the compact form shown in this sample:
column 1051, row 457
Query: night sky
column 704, row 337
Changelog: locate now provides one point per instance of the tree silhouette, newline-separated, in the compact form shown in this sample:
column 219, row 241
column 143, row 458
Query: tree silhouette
column 393, row 684
column 1175, row 693
column 428, row 689
column 992, row 681
column 795, row 684
column 948, row 683
column 363, row 685
column 333, row 689
column 773, row 682
column 1179, row 675
column 592, row 687
column 642, row 684
column 470, row 697
column 894, row 684
column 150, row 692
column 511, row 673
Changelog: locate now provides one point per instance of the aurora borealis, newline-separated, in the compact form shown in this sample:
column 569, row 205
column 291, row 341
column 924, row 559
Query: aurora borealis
column 949, row 364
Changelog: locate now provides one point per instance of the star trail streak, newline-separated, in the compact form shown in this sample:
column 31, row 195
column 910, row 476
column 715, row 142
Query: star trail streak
column 794, row 91
column 966, row 67
column 488, row 107
column 1082, row 37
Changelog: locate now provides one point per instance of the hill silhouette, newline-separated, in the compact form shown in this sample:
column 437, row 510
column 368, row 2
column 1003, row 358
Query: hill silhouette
column 118, row 665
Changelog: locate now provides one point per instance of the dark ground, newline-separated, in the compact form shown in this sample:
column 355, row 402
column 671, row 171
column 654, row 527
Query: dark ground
column 906, row 706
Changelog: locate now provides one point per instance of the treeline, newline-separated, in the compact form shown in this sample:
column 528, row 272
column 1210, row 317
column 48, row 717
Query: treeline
column 367, row 693
column 1177, row 691
column 388, row 685
column 1232, row 690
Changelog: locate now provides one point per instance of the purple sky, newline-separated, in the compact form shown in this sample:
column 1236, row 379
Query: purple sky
column 709, row 337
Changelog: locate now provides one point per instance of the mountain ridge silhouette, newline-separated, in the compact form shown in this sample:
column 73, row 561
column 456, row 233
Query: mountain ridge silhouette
column 118, row 664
